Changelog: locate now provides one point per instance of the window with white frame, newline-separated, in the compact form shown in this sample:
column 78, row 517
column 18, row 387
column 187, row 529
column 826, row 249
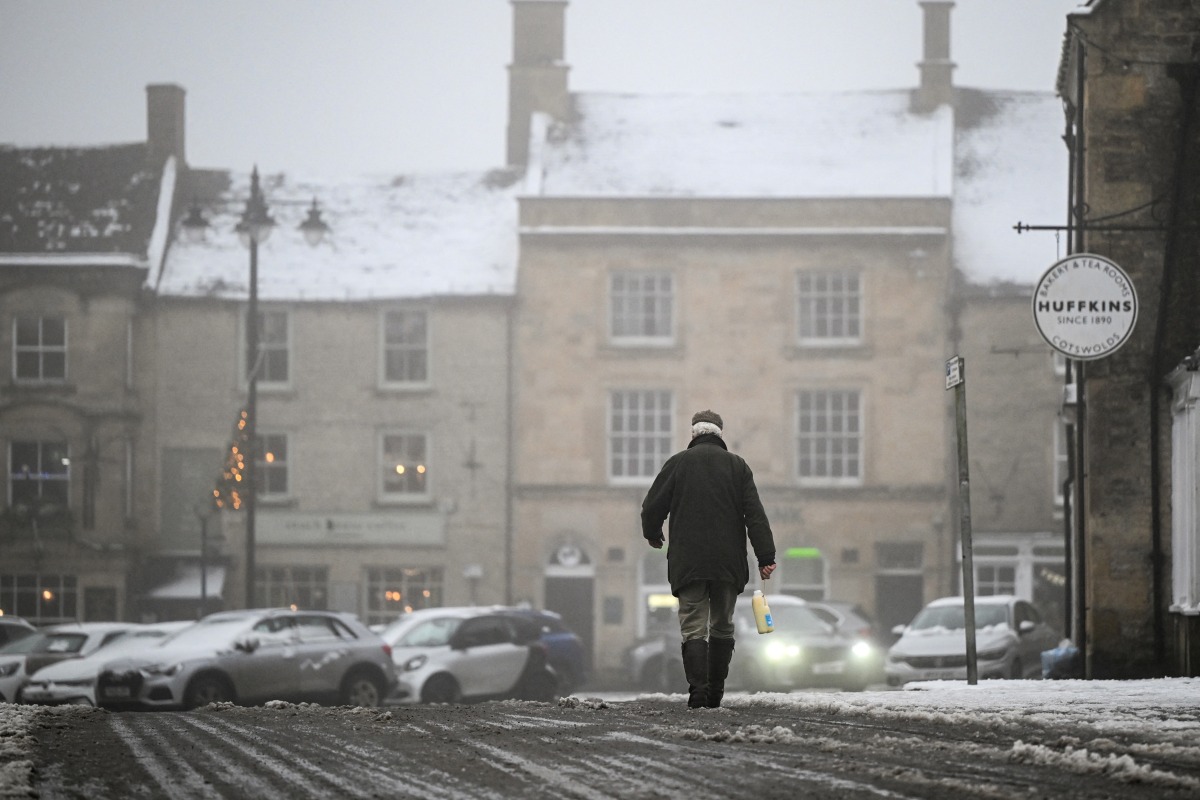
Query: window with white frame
column 642, row 306
column 40, row 349
column 405, row 346
column 993, row 579
column 829, row 308
column 393, row 591
column 404, row 466
column 39, row 473
column 829, row 437
column 273, row 358
column 272, row 465
column 639, row 433
column 300, row 586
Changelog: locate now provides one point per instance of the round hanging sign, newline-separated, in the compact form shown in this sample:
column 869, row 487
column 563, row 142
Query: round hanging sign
column 1085, row 306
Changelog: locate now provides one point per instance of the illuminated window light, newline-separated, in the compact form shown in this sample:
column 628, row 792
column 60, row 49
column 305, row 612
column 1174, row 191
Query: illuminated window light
column 399, row 469
column 47, row 594
column 421, row 469
column 270, row 458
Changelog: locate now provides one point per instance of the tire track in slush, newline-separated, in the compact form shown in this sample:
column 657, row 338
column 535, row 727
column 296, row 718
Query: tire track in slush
column 159, row 768
column 369, row 761
column 256, row 746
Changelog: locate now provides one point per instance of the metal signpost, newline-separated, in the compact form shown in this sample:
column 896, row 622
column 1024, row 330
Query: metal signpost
column 956, row 380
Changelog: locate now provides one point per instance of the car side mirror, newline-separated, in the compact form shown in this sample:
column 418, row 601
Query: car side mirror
column 1026, row 626
column 247, row 644
column 898, row 630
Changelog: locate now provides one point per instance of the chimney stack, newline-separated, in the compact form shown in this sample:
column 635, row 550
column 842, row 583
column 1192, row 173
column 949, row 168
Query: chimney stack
column 937, row 83
column 165, row 123
column 537, row 77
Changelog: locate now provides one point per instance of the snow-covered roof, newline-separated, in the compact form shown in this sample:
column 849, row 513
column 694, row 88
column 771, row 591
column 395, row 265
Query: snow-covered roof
column 409, row 236
column 852, row 144
column 998, row 154
column 1010, row 166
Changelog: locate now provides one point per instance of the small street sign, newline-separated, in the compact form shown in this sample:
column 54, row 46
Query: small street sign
column 954, row 372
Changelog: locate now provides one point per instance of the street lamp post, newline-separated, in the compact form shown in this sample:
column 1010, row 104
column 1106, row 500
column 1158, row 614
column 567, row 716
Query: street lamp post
column 254, row 228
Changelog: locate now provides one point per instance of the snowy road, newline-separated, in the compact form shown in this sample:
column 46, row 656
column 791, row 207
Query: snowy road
column 815, row 745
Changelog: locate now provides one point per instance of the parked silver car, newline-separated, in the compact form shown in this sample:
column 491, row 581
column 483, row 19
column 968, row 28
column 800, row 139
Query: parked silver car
column 1010, row 636
column 468, row 654
column 73, row 681
column 250, row 657
column 21, row 659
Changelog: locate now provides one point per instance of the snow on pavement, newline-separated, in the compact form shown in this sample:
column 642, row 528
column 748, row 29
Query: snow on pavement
column 1153, row 717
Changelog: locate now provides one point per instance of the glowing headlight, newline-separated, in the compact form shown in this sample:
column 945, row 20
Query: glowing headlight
column 777, row 651
column 861, row 649
column 416, row 662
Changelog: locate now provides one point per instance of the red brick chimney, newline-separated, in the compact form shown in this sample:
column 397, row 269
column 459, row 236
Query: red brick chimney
column 165, row 123
column 537, row 77
column 937, row 83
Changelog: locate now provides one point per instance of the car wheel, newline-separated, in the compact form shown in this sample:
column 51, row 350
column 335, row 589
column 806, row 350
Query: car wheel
column 361, row 688
column 441, row 689
column 205, row 689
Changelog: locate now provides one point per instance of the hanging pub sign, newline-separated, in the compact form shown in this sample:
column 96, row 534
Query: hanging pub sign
column 1085, row 306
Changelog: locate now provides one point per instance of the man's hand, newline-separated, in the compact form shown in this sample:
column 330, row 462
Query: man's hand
column 656, row 543
column 765, row 572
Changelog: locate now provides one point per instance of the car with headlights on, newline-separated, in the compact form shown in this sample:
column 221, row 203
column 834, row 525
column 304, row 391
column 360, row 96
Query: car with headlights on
column 250, row 657
column 73, row 681
column 802, row 652
column 1010, row 636
column 469, row 654
column 21, row 660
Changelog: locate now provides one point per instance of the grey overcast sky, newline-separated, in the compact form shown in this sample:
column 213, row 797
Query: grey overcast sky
column 328, row 86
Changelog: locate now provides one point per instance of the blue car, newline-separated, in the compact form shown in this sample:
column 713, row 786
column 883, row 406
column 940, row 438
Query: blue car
column 565, row 650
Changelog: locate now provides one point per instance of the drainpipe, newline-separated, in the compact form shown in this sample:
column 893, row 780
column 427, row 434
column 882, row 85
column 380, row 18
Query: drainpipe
column 1078, row 246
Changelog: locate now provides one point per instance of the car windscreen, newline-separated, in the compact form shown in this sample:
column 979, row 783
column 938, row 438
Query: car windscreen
column 431, row 633
column 62, row 642
column 796, row 619
column 954, row 617
column 218, row 633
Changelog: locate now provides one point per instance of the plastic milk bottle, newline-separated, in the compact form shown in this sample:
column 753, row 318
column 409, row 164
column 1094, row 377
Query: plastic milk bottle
column 762, row 613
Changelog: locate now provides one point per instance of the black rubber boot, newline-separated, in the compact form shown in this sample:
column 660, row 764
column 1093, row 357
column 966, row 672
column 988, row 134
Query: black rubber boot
column 695, row 669
column 720, row 651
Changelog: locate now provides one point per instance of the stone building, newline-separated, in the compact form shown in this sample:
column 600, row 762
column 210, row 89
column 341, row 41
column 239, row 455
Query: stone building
column 382, row 391
column 80, row 229
column 1129, row 76
column 790, row 261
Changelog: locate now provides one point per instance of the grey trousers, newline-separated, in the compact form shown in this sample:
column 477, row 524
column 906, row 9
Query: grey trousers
column 706, row 610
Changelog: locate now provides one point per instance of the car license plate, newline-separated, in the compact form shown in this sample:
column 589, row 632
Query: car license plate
column 939, row 675
column 829, row 668
column 116, row 691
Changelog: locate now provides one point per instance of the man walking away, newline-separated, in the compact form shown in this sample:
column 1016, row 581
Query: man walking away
column 710, row 496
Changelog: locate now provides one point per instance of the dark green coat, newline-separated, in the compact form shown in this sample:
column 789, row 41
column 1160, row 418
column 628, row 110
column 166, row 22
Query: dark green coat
column 710, row 496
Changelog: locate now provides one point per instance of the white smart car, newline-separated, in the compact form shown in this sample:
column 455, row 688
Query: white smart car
column 467, row 654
